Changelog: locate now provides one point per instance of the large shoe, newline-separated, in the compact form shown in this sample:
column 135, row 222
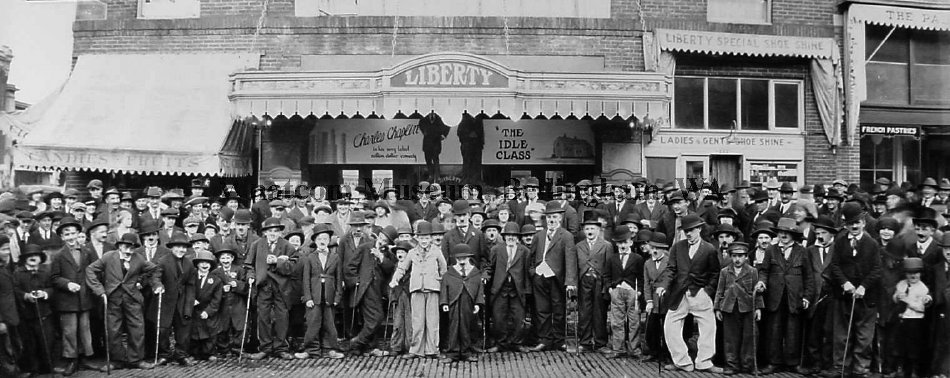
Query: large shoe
column 471, row 359
column 409, row 356
column 538, row 348
column 161, row 361
column 711, row 369
column 188, row 362
column 728, row 371
column 257, row 356
column 285, row 356
column 493, row 349
column 334, row 355
column 141, row 365
column 804, row 371
column 672, row 367
column 69, row 369
column 301, row 355
column 768, row 369
column 446, row 360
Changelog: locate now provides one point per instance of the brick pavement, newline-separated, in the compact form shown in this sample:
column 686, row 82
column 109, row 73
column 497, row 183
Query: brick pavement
column 547, row 364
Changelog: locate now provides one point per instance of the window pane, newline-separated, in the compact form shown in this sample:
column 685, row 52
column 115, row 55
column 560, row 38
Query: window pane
column 689, row 102
column 722, row 103
column 884, row 154
column 866, row 158
column 894, row 50
column 738, row 11
column 755, row 104
column 786, row 105
column 888, row 83
column 931, row 47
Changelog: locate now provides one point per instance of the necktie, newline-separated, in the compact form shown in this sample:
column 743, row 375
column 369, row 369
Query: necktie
column 854, row 244
column 125, row 267
column 823, row 254
column 179, row 267
column 202, row 280
column 272, row 246
column 623, row 259
column 511, row 257
column 150, row 254
column 920, row 249
column 787, row 251
column 619, row 204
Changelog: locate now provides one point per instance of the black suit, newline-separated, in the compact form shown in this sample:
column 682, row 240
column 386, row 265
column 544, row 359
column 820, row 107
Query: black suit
column 510, row 287
column 788, row 282
column 177, row 304
column 549, row 292
column 861, row 266
column 593, row 275
column 619, row 215
column 818, row 323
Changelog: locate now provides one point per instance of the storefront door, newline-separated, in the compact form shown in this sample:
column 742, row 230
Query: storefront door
column 724, row 169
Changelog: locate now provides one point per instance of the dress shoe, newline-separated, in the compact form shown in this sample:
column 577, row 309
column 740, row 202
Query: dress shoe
column 161, row 361
column 711, row 369
column 728, row 371
column 257, row 356
column 285, row 356
column 141, row 365
column 409, row 356
column 524, row 349
column 604, row 350
column 493, row 349
column 768, row 369
column 471, row 359
column 538, row 348
column 334, row 355
column 615, row 355
column 188, row 361
column 71, row 368
column 446, row 360
column 583, row 349
column 672, row 367
column 804, row 370
column 301, row 355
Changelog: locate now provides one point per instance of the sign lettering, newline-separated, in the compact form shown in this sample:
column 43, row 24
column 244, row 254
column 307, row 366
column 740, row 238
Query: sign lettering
column 890, row 130
column 450, row 75
column 906, row 17
column 745, row 44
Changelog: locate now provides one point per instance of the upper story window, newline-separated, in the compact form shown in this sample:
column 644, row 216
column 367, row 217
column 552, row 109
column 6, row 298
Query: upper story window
column 739, row 11
column 169, row 9
column 910, row 67
column 455, row 8
column 714, row 103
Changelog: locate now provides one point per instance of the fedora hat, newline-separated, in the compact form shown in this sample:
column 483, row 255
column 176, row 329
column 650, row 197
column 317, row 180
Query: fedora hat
column 725, row 229
column 727, row 212
column 929, row 181
column 787, row 187
column 552, row 208
column 738, row 248
column 296, row 233
column 676, row 197
column 852, row 212
column 825, row 222
column 658, row 240
column 787, row 225
column 590, row 217
column 511, row 228
column 228, row 247
column 642, row 236
column 128, row 238
column 271, row 223
column 153, row 192
column 170, row 212
column 242, row 216
column 357, row 218
column 150, row 226
column 102, row 220
column 461, row 250
column 205, row 256
column 944, row 184
column 178, row 239
column 390, row 232
column 632, row 218
column 321, row 228
column 944, row 241
column 461, row 207
column 621, row 234
column 726, row 188
column 691, row 221
column 773, row 184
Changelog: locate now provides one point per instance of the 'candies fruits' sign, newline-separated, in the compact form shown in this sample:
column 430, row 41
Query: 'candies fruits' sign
column 450, row 75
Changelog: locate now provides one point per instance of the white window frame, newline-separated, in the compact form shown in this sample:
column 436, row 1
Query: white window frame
column 768, row 17
column 169, row 13
column 771, row 91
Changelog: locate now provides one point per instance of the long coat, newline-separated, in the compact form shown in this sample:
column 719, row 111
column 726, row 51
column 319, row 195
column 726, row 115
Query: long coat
column 861, row 269
column 179, row 292
column 497, row 271
column 651, row 275
column 65, row 270
column 110, row 268
column 26, row 282
column 474, row 238
column 364, row 267
column 595, row 259
column 8, row 310
column 206, row 299
column 684, row 274
column 790, row 279
column 317, row 277
column 616, row 273
column 233, row 302
column 256, row 262
column 818, row 265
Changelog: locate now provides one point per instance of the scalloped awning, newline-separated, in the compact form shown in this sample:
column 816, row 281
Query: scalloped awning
column 904, row 17
column 745, row 44
column 143, row 114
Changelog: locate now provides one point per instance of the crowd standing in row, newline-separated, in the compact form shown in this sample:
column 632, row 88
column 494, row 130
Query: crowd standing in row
column 817, row 279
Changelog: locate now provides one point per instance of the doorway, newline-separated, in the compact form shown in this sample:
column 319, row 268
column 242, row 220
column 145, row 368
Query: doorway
column 724, row 169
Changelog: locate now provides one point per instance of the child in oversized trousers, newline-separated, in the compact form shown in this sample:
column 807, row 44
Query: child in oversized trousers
column 425, row 281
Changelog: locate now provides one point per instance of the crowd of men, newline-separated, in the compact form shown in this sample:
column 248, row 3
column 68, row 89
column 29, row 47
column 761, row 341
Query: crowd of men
column 815, row 279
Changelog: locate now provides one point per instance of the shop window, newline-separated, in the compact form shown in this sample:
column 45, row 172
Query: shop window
column 737, row 104
column 908, row 68
column 761, row 171
column 876, row 158
column 169, row 9
column 739, row 11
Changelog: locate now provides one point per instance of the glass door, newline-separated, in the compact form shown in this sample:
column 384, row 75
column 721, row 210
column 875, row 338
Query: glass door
column 695, row 169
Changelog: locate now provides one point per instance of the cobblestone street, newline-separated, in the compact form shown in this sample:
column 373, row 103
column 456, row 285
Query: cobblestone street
column 548, row 364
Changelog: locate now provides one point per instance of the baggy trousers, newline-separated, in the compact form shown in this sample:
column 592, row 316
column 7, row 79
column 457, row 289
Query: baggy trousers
column 701, row 307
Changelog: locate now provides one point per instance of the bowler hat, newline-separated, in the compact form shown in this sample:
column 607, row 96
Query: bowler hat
column 402, row 245
column 461, row 207
column 825, row 222
column 321, row 229
column 170, row 212
column 691, row 221
column 154, row 192
column 150, row 226
column 491, row 223
column 228, row 247
column 726, row 188
column 658, row 240
column 889, row 223
column 738, row 248
column 198, row 237
column 178, row 239
column 913, row 264
column 357, row 218
column 67, row 222
column 553, row 207
column 528, row 229
column 102, row 220
column 402, row 230
column 271, row 223
column 242, row 216
column 834, row 193
column 926, row 216
column 725, row 229
column 643, row 237
column 760, row 196
column 944, row 241
column 621, row 234
column 128, row 238
column 632, row 218
column 727, row 212
column 461, row 250
column 511, row 228
column 205, row 256
column 787, row 225
column 852, row 212
column 390, row 232
column 296, row 233
column 762, row 228
column 33, row 249
column 424, row 228
column 438, row 228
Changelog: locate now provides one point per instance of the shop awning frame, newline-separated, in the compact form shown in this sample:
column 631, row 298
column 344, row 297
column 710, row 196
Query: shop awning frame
column 640, row 94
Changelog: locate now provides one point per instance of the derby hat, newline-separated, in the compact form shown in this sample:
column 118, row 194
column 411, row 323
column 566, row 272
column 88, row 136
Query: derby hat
column 762, row 228
column 128, row 238
column 825, row 222
column 913, row 265
column 205, row 256
column 402, row 245
column 491, row 223
column 787, row 187
column 357, row 218
column 787, row 225
column 424, row 228
column 242, row 216
column 150, row 226
column 725, row 229
column 461, row 207
column 944, row 241
column 590, row 217
column 438, row 228
column 31, row 250
column 511, row 228
column 528, row 229
column 68, row 222
column 321, row 228
column 552, row 208
column 691, row 221
column 659, row 240
column 929, row 181
column 889, row 223
column 621, row 234
column 271, row 223
column 852, row 212
column 461, row 250
column 179, row 239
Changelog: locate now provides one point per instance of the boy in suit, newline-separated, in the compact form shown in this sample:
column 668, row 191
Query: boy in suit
column 461, row 296
column 658, row 252
column 819, row 322
column 736, row 310
column 592, row 255
column 233, row 300
column 785, row 278
column 207, row 303
column 33, row 288
column 508, row 274
column 72, row 299
column 322, row 293
column 115, row 277
column 269, row 270
column 402, row 313
column 177, row 302
column 623, row 278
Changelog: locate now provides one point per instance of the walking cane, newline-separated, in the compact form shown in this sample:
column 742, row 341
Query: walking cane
column 353, row 311
column 247, row 312
column 755, row 340
column 389, row 322
column 39, row 316
column 158, row 326
column 105, row 320
column 484, row 333
column 844, row 356
column 659, row 354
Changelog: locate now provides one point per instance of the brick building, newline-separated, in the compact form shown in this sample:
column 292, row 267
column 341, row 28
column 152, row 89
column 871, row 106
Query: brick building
column 666, row 89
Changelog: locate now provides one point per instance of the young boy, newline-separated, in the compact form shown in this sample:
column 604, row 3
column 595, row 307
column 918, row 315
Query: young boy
column 736, row 309
column 402, row 313
column 623, row 277
column 462, row 297
column 658, row 251
column 208, row 292
column 32, row 289
column 508, row 274
column 177, row 302
column 428, row 266
column 914, row 296
column 322, row 282
column 115, row 277
column 233, row 301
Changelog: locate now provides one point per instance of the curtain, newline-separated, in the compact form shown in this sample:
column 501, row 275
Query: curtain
column 826, row 83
